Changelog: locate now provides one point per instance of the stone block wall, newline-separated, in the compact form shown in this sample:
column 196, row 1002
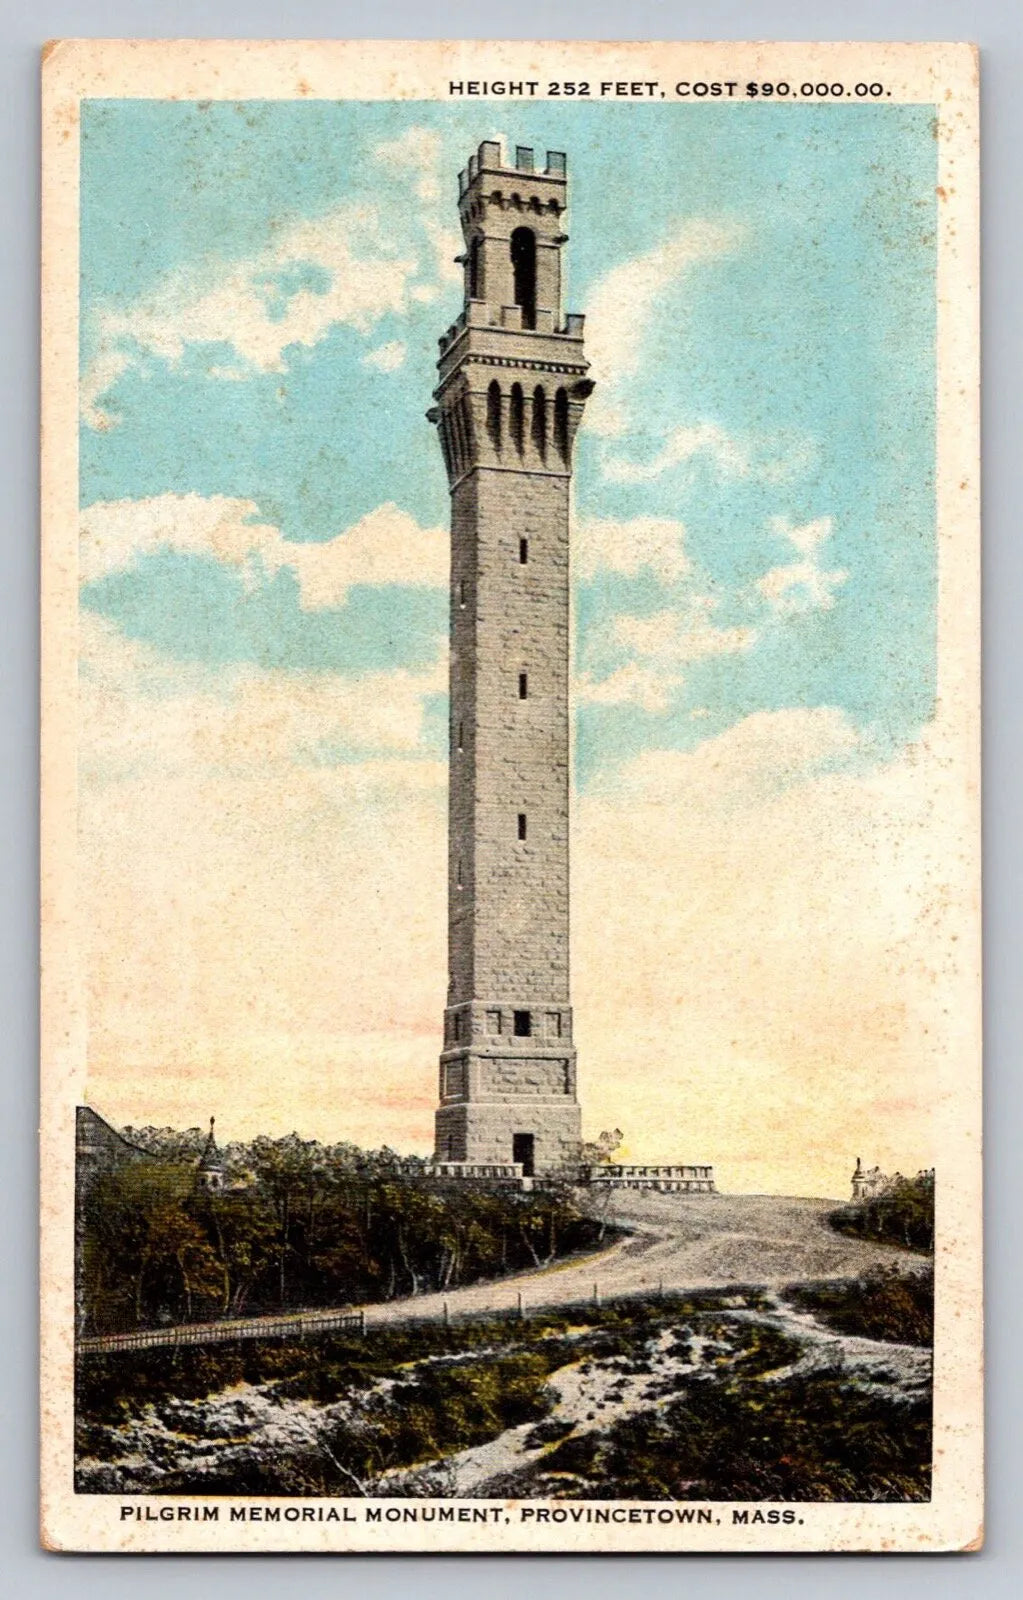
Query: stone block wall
column 481, row 1131
column 509, row 896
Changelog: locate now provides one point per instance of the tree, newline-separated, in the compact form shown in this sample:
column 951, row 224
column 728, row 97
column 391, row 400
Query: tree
column 140, row 1248
column 315, row 1226
column 286, row 1170
column 602, row 1148
column 170, row 1144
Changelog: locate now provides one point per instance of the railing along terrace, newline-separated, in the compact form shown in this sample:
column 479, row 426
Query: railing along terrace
column 684, row 1179
column 507, row 1171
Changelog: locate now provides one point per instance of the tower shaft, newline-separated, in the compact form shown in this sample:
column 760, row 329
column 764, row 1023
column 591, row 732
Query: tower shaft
column 510, row 397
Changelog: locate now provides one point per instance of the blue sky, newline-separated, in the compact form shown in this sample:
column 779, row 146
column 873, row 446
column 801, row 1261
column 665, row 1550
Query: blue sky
column 262, row 289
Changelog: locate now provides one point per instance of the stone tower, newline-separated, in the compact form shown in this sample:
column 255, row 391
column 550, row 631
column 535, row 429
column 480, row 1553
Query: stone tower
column 509, row 401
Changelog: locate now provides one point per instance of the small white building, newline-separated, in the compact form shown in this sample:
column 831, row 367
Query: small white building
column 867, row 1182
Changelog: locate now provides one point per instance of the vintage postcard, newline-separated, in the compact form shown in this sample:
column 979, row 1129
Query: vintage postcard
column 511, row 857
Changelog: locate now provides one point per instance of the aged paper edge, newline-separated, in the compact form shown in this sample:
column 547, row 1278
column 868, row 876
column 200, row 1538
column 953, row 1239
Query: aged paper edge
column 944, row 75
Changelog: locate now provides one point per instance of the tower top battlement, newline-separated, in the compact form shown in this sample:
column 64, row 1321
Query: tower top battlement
column 488, row 159
column 512, row 219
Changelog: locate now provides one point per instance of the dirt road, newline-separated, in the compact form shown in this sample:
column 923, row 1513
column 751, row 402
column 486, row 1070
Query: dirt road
column 677, row 1241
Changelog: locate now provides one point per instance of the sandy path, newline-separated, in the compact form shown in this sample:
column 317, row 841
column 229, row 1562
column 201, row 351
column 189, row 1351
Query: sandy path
column 678, row 1242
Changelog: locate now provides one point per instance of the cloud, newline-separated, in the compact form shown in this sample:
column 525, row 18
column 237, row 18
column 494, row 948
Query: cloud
column 626, row 301
column 386, row 357
column 650, row 688
column 776, row 892
column 687, row 634
column 659, row 645
column 804, row 585
column 265, row 925
column 387, row 546
column 764, row 753
column 147, row 711
column 318, row 272
column 763, row 459
column 315, row 273
column 807, row 537
column 416, row 153
column 706, row 439
column 629, row 546
column 625, row 309
column 265, row 930
column 418, row 156
column 103, row 371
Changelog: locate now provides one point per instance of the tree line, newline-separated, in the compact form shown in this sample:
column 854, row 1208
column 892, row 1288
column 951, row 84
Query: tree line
column 901, row 1213
column 298, row 1225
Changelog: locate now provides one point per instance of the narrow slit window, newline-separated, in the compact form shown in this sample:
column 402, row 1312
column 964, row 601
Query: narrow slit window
column 561, row 423
column 468, row 432
column 445, row 445
column 461, row 736
column 475, row 272
column 539, row 423
column 522, row 824
column 517, row 417
column 522, row 1024
column 457, row 1026
column 523, row 552
column 458, row 435
column 458, row 873
column 523, row 686
column 494, row 414
column 461, row 592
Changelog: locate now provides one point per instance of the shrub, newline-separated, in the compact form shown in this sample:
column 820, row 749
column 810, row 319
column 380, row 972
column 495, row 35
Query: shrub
column 903, row 1214
column 884, row 1303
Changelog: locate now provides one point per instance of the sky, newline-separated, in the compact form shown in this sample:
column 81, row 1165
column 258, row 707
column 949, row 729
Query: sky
column 263, row 563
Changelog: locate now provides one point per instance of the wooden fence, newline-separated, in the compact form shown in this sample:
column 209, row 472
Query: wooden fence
column 291, row 1327
column 311, row 1323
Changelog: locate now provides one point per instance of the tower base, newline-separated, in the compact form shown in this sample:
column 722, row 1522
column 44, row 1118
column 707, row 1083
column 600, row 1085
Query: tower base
column 543, row 1136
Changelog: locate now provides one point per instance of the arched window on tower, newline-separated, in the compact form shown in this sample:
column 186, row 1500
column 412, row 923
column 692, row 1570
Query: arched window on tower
column 494, row 414
column 476, row 268
column 517, row 417
column 457, row 440
column 523, row 257
column 467, row 431
column 561, row 423
column 539, row 426
column 445, row 445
